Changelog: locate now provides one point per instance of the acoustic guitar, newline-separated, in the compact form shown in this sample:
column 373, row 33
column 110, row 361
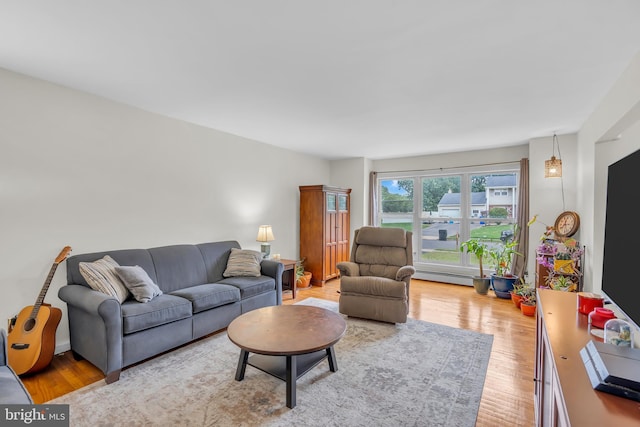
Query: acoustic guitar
column 32, row 340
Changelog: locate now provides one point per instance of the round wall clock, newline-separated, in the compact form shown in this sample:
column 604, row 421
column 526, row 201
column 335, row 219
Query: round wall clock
column 567, row 224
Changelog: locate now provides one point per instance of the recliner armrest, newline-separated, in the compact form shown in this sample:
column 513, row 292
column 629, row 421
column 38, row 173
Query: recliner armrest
column 348, row 268
column 405, row 273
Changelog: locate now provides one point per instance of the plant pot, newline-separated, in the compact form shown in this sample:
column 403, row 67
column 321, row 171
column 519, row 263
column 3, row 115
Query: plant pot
column 304, row 281
column 528, row 309
column 481, row 284
column 517, row 299
column 502, row 285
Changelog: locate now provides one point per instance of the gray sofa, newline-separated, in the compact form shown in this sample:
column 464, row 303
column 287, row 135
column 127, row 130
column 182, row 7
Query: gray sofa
column 197, row 300
column 12, row 390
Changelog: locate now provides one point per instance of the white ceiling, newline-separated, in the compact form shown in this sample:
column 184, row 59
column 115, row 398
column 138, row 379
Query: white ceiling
column 337, row 78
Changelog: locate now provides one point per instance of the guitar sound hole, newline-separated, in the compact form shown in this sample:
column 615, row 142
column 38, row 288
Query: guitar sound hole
column 29, row 324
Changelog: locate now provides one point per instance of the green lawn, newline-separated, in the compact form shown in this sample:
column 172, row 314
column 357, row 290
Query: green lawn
column 406, row 225
column 490, row 232
column 486, row 232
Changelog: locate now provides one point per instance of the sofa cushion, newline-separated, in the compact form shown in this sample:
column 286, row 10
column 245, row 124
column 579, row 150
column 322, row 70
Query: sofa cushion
column 139, row 257
column 204, row 297
column 373, row 286
column 138, row 282
column 178, row 266
column 160, row 310
column 243, row 263
column 250, row 286
column 101, row 276
column 215, row 255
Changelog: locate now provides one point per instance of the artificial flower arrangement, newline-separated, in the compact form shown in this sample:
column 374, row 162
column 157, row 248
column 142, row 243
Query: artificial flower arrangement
column 554, row 254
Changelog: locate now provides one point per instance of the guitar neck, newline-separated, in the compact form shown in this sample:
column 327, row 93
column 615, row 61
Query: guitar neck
column 43, row 291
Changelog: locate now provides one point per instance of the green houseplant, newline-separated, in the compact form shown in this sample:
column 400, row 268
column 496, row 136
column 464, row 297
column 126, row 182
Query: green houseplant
column 303, row 278
column 481, row 283
column 528, row 303
column 502, row 255
column 561, row 283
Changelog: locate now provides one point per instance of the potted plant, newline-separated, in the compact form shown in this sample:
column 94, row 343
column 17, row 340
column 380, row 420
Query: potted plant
column 481, row 283
column 519, row 290
column 503, row 279
column 303, row 278
column 528, row 303
column 561, row 283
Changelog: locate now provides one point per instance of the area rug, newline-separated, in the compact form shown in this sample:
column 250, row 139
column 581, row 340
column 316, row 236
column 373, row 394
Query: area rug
column 413, row 374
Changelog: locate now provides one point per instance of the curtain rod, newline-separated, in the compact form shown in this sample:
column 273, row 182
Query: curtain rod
column 516, row 162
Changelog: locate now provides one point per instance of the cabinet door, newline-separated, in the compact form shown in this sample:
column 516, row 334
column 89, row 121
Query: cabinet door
column 331, row 235
column 343, row 230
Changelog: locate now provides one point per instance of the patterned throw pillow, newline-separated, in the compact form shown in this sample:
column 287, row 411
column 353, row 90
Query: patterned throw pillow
column 101, row 276
column 136, row 279
column 243, row 262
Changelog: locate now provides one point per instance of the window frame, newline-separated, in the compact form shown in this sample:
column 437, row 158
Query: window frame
column 462, row 271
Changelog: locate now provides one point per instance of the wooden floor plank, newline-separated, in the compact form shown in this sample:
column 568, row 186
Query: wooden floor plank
column 507, row 398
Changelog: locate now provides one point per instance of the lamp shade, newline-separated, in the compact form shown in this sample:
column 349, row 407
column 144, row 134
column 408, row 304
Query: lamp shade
column 553, row 168
column 265, row 234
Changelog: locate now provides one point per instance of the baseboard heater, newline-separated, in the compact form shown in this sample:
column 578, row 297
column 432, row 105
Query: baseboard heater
column 457, row 279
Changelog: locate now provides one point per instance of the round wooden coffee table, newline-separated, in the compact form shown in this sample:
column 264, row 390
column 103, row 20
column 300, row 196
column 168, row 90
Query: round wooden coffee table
column 287, row 341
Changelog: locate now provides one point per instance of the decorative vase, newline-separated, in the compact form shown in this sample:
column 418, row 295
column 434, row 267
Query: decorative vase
column 304, row 280
column 502, row 285
column 517, row 299
column 528, row 309
column 481, row 285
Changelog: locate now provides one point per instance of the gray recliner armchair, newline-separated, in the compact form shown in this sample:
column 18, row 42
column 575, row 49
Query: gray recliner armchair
column 375, row 283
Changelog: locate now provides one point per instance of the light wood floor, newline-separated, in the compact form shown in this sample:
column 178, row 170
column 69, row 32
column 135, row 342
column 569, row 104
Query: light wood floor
column 507, row 398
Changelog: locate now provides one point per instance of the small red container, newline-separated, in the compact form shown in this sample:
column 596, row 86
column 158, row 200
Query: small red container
column 599, row 316
column 588, row 301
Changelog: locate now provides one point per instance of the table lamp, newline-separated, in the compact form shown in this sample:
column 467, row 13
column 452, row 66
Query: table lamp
column 265, row 235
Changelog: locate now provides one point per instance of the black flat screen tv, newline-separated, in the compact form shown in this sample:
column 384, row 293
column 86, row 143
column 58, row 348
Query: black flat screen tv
column 621, row 258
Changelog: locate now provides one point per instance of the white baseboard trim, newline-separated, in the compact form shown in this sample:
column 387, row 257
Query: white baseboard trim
column 61, row 347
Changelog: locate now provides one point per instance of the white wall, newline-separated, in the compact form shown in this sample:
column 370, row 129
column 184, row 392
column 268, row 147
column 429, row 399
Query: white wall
column 80, row 170
column 452, row 160
column 545, row 194
column 610, row 133
column 353, row 174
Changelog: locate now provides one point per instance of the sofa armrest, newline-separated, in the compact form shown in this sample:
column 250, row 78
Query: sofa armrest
column 274, row 269
column 348, row 268
column 4, row 359
column 95, row 326
column 405, row 273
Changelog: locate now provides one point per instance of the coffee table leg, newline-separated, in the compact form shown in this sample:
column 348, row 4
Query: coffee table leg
column 242, row 365
column 331, row 357
column 292, row 375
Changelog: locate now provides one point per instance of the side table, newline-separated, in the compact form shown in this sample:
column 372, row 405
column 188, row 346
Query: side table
column 289, row 275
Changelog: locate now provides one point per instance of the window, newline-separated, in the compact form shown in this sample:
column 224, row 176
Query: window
column 448, row 209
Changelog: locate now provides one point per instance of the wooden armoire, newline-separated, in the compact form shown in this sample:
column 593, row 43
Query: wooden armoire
column 324, row 230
